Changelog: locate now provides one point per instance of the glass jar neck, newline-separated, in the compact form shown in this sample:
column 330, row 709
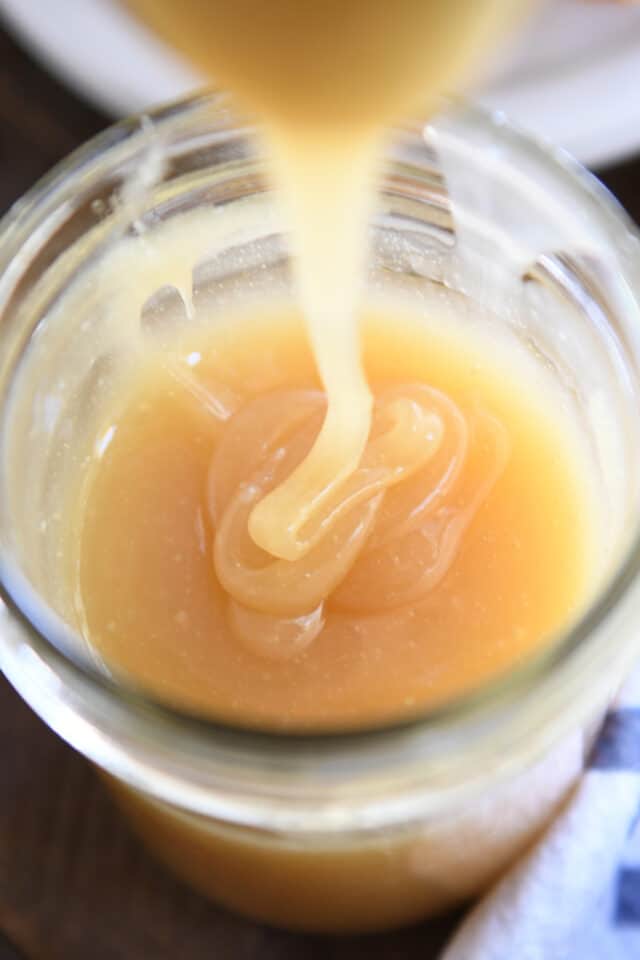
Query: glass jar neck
column 356, row 781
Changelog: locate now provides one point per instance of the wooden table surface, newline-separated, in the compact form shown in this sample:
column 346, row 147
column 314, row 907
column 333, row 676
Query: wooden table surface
column 74, row 884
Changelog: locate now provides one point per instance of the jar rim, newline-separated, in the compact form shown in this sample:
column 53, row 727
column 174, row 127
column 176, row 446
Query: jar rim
column 407, row 737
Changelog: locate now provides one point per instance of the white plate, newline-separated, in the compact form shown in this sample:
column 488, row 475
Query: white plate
column 573, row 77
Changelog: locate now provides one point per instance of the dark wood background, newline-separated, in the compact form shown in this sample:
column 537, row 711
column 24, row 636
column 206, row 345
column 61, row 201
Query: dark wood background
column 74, row 884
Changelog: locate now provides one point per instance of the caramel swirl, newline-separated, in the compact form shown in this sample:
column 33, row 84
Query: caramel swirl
column 398, row 521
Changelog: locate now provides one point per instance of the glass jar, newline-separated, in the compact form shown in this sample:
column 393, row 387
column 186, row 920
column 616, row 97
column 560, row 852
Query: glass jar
column 363, row 830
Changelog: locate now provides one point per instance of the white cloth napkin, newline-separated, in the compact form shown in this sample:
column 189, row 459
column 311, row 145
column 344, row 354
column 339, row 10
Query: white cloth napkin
column 576, row 895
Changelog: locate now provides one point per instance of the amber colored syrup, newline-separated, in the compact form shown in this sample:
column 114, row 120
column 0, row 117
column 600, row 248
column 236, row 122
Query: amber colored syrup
column 429, row 582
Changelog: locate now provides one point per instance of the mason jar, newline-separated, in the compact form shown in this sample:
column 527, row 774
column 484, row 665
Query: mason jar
column 340, row 831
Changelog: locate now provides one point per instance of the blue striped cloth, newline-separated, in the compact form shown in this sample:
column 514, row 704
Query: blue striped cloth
column 576, row 895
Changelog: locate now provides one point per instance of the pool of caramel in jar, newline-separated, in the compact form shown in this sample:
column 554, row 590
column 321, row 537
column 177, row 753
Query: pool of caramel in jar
column 422, row 584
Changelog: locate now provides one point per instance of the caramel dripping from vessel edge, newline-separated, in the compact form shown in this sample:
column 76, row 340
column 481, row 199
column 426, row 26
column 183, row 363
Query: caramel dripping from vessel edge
column 358, row 65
